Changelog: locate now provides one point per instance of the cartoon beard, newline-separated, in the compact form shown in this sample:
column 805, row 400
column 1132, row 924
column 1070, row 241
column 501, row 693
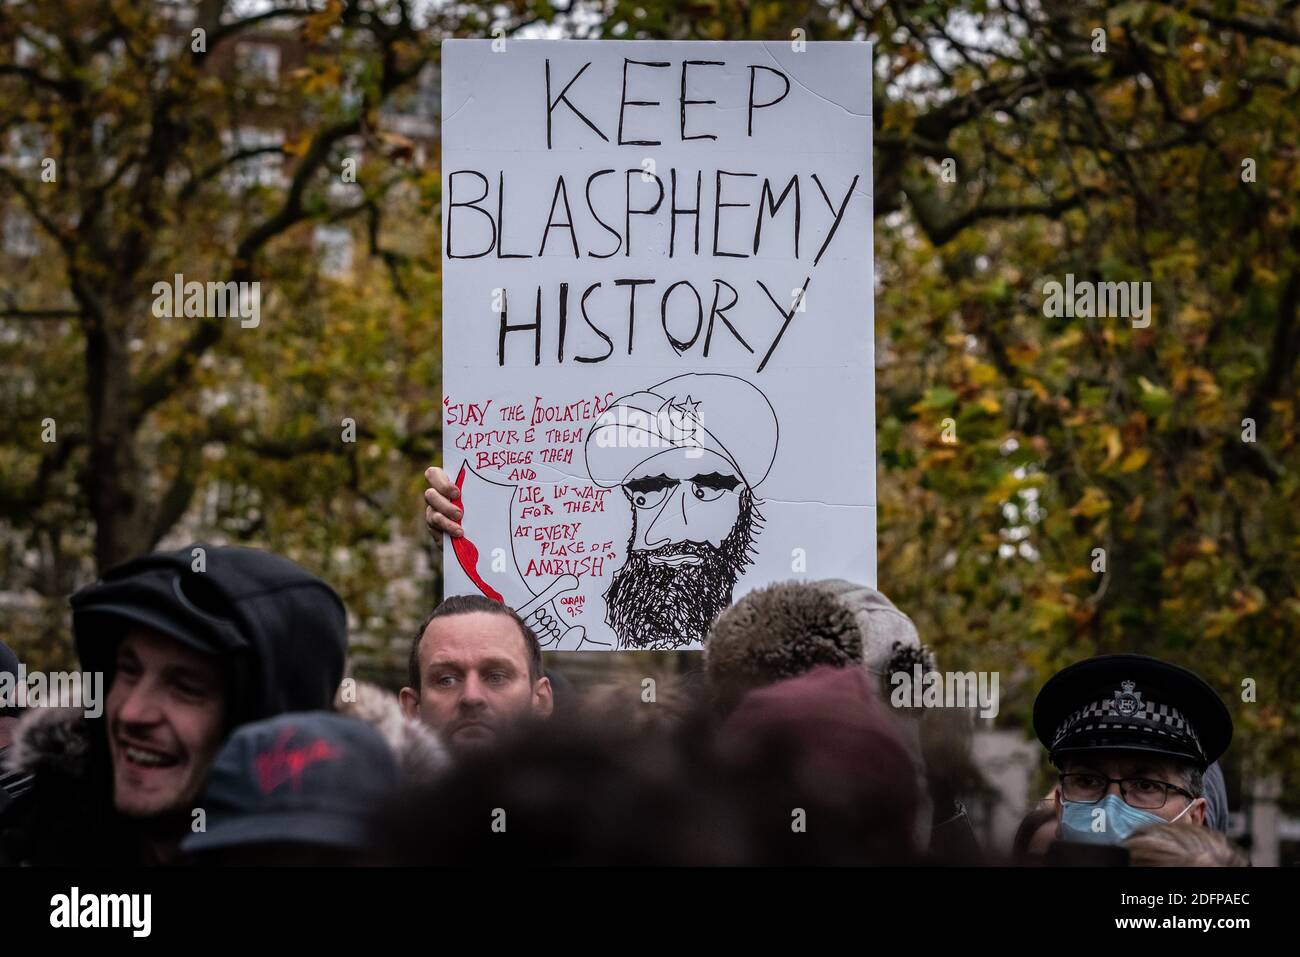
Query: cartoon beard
column 655, row 607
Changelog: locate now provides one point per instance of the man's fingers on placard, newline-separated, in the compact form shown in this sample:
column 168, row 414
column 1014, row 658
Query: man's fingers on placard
column 440, row 504
column 441, row 481
column 439, row 523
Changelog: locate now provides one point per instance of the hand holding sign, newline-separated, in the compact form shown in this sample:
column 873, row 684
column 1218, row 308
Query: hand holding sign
column 441, row 514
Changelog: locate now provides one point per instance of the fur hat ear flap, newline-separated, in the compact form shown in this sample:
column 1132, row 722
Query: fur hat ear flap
column 904, row 657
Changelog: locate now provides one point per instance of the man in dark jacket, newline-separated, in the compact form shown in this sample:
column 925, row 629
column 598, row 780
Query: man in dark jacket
column 12, row 784
column 192, row 644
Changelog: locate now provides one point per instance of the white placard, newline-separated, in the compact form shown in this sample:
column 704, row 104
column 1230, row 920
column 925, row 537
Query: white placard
column 657, row 328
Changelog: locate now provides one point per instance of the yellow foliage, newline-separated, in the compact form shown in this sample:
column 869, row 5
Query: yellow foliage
column 1135, row 460
column 1093, row 503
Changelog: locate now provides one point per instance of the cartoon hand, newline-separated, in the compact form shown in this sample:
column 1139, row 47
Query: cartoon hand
column 572, row 640
column 542, row 615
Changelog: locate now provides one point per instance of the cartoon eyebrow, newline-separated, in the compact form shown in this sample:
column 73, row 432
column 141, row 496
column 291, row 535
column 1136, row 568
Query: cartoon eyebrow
column 717, row 480
column 651, row 483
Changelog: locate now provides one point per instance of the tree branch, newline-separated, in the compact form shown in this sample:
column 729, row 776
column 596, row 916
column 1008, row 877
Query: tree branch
column 1250, row 26
column 176, row 500
column 227, row 30
column 67, row 89
column 940, row 232
column 41, row 314
column 215, row 169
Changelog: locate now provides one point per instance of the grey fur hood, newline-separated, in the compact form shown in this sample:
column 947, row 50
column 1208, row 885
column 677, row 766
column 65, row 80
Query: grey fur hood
column 421, row 755
column 885, row 629
column 49, row 741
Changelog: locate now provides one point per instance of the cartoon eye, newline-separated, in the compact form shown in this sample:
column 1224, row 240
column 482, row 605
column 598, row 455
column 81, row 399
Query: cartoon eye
column 650, row 499
column 704, row 493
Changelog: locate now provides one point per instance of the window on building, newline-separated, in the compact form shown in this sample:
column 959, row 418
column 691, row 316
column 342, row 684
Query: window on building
column 258, row 61
column 334, row 250
column 264, row 170
column 19, row 234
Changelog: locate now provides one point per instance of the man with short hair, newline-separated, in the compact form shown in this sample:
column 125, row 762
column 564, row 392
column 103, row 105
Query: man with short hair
column 1132, row 737
column 192, row 644
column 475, row 670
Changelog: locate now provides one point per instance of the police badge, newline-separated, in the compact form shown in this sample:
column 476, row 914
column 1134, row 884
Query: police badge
column 1127, row 702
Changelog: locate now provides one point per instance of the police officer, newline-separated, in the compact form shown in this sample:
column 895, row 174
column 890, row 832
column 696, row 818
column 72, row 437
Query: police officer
column 1132, row 737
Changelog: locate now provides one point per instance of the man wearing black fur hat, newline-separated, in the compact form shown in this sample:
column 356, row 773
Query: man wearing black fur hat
column 1132, row 737
column 192, row 643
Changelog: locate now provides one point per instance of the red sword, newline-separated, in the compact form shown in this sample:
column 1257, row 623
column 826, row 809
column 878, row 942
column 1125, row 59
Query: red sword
column 467, row 552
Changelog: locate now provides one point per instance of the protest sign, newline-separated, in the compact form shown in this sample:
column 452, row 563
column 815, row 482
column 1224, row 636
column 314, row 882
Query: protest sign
column 657, row 328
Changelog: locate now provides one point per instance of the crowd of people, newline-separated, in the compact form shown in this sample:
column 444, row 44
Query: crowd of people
column 232, row 734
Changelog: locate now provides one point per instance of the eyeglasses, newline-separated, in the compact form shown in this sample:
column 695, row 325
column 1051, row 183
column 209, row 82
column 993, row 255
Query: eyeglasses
column 1144, row 793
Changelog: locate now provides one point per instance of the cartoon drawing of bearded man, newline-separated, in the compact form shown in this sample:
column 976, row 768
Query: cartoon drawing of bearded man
column 688, row 454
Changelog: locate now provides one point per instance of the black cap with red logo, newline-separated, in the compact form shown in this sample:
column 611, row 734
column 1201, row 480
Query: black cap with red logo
column 302, row 778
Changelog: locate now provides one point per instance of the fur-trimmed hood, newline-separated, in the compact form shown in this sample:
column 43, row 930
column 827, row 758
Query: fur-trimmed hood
column 65, row 818
column 49, row 741
column 421, row 755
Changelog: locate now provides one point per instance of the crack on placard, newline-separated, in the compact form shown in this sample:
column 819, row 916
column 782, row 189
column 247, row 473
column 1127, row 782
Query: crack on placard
column 812, row 501
column 759, row 500
column 470, row 98
column 790, row 75
column 452, row 115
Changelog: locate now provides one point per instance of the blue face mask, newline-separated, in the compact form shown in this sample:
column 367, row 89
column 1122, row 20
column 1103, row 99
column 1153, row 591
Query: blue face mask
column 1117, row 820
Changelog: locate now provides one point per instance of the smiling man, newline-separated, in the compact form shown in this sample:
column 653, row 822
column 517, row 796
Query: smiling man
column 192, row 643
column 166, row 721
column 688, row 454
column 475, row 672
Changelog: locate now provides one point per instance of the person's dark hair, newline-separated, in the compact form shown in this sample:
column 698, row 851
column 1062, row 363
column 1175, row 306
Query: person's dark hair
column 1033, row 822
column 464, row 605
column 662, row 795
